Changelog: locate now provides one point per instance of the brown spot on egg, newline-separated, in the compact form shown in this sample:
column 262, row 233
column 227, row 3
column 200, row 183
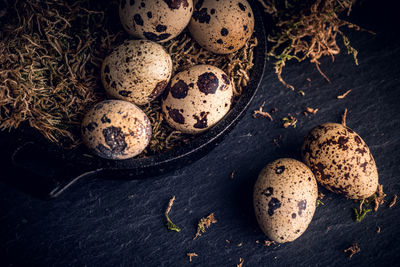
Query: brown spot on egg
column 199, row 4
column 268, row 191
column 160, row 86
column 105, row 119
column 176, row 4
column 362, row 151
column 179, row 90
column 201, row 121
column 208, row 83
column 176, row 116
column 201, row 16
column 302, row 205
column 115, row 139
column 161, row 28
column 91, row 126
column 113, row 85
column 319, row 171
column 364, row 166
column 273, row 205
column 104, row 151
column 357, row 139
column 138, row 19
column 342, row 141
column 107, row 79
column 124, row 93
column 224, row 32
column 156, row 38
column 242, row 7
column 279, row 169
column 100, row 105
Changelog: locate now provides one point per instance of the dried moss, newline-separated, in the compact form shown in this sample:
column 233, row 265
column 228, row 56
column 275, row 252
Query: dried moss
column 307, row 30
column 51, row 55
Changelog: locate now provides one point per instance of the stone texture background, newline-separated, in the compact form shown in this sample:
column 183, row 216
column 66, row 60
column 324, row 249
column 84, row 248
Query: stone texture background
column 108, row 222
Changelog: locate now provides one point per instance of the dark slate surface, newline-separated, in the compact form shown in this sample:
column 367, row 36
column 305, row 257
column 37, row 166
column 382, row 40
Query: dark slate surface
column 121, row 223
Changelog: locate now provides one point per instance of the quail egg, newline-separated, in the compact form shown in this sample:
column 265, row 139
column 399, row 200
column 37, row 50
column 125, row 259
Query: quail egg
column 285, row 196
column 341, row 160
column 155, row 20
column 222, row 26
column 197, row 98
column 136, row 71
column 116, row 129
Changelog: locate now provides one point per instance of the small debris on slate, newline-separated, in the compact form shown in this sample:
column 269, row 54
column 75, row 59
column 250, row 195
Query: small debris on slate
column 353, row 249
column 203, row 224
column 360, row 215
column 380, row 197
column 344, row 95
column 170, row 224
column 344, row 117
column 378, row 230
column 309, row 110
column 232, row 175
column 240, row 264
column 289, row 121
column 191, row 255
column 393, row 202
column 268, row 243
column 262, row 113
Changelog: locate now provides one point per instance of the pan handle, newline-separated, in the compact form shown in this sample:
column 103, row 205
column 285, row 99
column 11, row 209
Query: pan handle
column 44, row 173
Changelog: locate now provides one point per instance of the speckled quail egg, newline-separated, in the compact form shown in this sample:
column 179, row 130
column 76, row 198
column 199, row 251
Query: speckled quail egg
column 197, row 98
column 116, row 129
column 136, row 71
column 155, row 20
column 222, row 26
column 285, row 196
column 341, row 160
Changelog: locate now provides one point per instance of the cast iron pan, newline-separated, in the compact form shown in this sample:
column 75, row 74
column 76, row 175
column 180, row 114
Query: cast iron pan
column 37, row 167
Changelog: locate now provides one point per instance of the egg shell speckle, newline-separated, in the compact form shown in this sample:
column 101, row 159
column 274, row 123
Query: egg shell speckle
column 197, row 98
column 115, row 129
column 137, row 71
column 285, row 196
column 341, row 160
column 155, row 20
column 222, row 26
